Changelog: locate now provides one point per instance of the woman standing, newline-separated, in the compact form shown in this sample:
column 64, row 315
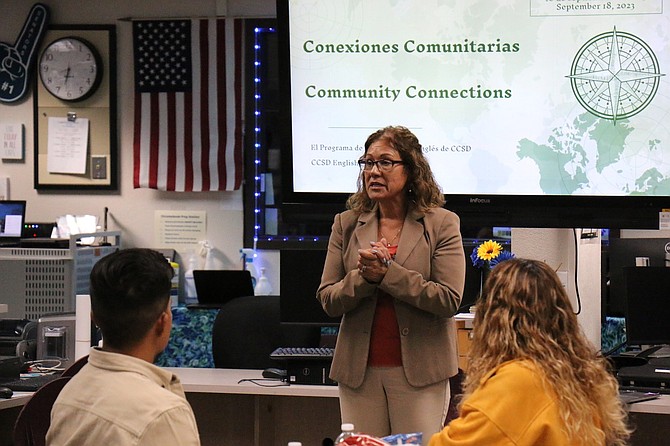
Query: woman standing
column 395, row 271
column 533, row 378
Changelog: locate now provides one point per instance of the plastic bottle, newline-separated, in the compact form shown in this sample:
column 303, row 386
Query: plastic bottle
column 206, row 253
column 347, row 431
column 189, row 283
column 263, row 287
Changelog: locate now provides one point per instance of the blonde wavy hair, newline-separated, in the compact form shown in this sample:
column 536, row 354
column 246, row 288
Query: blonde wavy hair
column 525, row 314
column 422, row 190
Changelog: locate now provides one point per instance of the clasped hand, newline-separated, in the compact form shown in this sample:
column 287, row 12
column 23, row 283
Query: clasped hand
column 373, row 263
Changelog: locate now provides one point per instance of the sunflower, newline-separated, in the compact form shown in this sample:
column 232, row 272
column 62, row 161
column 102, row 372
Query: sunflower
column 489, row 250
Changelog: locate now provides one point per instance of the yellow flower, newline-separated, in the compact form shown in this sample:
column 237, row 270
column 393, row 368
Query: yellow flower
column 489, row 250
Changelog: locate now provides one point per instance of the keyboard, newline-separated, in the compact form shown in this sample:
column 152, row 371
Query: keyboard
column 30, row 384
column 303, row 353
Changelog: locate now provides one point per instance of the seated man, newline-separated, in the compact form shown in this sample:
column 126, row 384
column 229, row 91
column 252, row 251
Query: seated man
column 119, row 397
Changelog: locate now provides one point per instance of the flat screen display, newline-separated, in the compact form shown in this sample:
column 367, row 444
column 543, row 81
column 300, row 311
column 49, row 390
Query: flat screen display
column 647, row 305
column 12, row 214
column 299, row 279
column 628, row 252
column 517, row 104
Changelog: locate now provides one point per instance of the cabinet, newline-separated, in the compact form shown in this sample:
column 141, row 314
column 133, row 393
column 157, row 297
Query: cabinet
column 464, row 338
column 39, row 281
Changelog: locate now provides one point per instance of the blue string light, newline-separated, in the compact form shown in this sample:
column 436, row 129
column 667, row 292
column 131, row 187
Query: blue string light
column 257, row 132
column 258, row 176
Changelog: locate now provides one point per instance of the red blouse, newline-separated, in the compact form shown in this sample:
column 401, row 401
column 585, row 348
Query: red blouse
column 385, row 337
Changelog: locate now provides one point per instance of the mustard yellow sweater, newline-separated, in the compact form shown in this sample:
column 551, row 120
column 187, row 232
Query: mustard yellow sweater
column 510, row 407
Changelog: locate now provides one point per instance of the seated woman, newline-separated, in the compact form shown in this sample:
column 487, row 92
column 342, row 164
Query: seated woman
column 533, row 377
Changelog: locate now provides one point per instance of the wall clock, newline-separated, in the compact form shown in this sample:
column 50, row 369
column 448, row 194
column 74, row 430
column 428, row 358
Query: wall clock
column 70, row 68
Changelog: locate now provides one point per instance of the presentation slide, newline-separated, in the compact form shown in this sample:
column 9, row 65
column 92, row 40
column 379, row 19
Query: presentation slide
column 510, row 97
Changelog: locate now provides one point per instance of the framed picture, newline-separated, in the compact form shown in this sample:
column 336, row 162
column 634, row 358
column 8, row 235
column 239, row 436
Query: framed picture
column 75, row 109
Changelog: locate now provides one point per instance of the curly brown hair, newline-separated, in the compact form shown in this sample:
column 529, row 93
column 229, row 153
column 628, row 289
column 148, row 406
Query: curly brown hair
column 422, row 190
column 525, row 314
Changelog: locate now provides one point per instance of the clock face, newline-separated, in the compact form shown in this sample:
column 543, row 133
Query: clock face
column 70, row 68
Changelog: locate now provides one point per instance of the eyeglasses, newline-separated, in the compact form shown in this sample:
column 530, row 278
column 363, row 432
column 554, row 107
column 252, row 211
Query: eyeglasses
column 382, row 165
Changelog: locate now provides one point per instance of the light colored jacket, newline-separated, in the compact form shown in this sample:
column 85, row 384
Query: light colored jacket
column 426, row 280
column 117, row 399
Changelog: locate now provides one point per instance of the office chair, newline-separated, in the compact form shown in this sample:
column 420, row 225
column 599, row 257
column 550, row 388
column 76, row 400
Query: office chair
column 247, row 329
column 456, row 389
column 76, row 366
column 34, row 419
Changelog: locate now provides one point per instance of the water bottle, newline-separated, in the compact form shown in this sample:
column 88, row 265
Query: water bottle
column 347, row 431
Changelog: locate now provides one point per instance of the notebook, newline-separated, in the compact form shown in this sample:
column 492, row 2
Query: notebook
column 12, row 214
column 218, row 286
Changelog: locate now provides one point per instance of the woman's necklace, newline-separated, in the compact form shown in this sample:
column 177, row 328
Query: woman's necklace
column 390, row 242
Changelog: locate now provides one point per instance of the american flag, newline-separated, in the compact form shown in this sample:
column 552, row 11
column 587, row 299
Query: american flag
column 188, row 105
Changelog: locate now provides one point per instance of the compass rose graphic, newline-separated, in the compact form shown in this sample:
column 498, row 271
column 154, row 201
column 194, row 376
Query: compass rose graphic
column 615, row 75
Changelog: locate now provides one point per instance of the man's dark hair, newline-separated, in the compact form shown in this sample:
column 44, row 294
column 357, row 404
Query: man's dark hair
column 130, row 288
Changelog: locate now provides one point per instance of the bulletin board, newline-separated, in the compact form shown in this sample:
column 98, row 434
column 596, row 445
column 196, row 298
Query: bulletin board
column 99, row 108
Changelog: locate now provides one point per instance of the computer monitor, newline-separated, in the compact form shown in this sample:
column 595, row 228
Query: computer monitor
column 299, row 278
column 647, row 305
column 12, row 216
column 627, row 252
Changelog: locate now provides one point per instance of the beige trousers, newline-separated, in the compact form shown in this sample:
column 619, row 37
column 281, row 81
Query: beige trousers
column 387, row 404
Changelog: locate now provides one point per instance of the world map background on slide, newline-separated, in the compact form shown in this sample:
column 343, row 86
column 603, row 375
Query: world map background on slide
column 579, row 153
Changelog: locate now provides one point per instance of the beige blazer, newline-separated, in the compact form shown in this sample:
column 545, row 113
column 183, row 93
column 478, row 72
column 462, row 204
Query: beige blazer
column 426, row 280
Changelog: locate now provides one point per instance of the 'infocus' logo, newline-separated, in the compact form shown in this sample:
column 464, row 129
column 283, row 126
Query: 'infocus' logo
column 480, row 200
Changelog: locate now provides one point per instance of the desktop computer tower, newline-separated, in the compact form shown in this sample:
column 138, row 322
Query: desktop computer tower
column 308, row 372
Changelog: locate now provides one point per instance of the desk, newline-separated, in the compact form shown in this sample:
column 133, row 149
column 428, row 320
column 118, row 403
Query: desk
column 245, row 414
column 241, row 414
column 650, row 419
column 9, row 411
column 228, row 412
column 19, row 399
column 659, row 406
